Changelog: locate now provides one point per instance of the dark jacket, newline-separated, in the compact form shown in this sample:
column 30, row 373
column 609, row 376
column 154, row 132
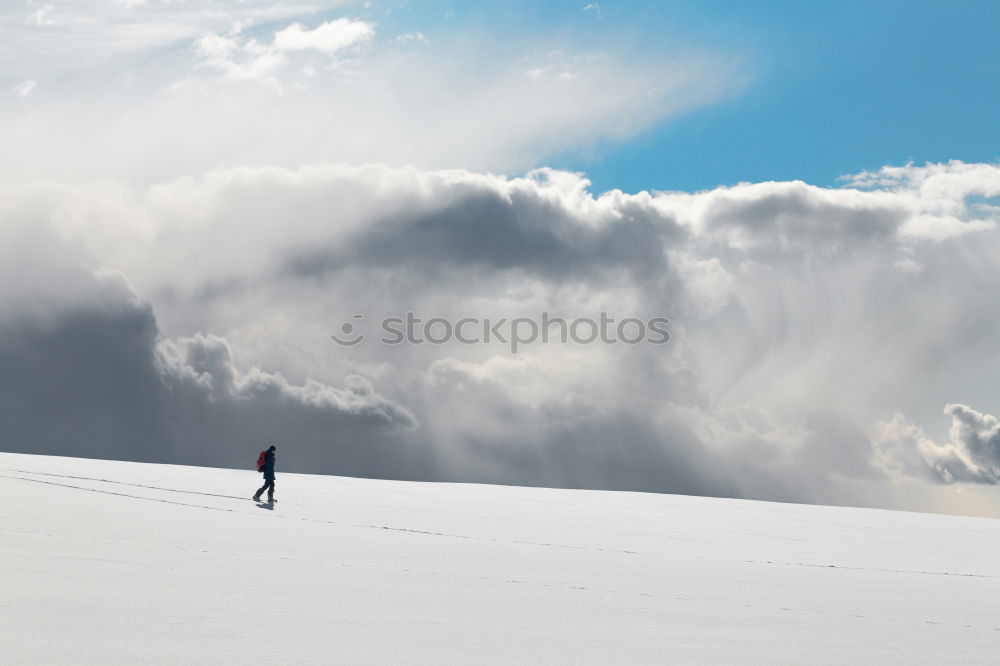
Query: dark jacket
column 269, row 466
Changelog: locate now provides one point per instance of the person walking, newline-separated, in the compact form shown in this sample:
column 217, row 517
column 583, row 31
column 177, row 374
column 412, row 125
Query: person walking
column 268, row 470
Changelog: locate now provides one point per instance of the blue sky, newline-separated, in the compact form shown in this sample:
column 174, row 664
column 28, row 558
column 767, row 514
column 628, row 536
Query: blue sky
column 834, row 88
column 765, row 90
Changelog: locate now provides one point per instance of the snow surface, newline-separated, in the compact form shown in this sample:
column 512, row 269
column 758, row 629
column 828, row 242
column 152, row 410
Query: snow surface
column 114, row 562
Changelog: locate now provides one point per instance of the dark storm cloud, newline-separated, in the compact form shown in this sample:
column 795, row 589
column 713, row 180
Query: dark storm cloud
column 576, row 446
column 468, row 226
column 92, row 376
column 640, row 443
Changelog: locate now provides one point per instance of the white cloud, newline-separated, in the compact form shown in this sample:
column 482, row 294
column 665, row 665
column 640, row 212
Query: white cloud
column 933, row 180
column 942, row 190
column 971, row 454
column 24, row 88
column 241, row 58
column 933, row 202
column 329, row 37
column 940, row 227
column 438, row 106
column 238, row 58
column 83, row 36
column 43, row 17
column 414, row 37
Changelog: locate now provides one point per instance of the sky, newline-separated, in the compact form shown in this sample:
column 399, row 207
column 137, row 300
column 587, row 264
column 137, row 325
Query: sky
column 830, row 88
column 835, row 89
column 197, row 195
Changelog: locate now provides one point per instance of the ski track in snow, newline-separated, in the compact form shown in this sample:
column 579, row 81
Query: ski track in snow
column 902, row 571
column 272, row 515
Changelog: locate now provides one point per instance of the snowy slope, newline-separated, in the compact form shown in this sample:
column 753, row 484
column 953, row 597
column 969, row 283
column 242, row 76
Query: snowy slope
column 111, row 562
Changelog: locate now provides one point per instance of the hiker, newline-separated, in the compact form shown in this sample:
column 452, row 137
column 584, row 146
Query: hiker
column 268, row 469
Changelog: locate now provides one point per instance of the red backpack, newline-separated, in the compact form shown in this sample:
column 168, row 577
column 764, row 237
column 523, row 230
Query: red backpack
column 260, row 461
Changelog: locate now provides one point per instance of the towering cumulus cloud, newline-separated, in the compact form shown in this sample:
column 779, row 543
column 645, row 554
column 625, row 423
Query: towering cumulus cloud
column 190, row 320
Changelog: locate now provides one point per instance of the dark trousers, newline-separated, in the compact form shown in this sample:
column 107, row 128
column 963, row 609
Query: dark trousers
column 268, row 486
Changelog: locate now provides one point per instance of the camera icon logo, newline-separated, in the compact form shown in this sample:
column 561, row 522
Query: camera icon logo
column 350, row 334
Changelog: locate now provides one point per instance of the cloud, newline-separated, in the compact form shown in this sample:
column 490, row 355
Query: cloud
column 86, row 34
column 241, row 58
column 495, row 224
column 796, row 216
column 942, row 188
column 328, row 90
column 799, row 316
column 87, row 372
column 24, row 88
column 971, row 454
column 43, row 16
column 329, row 37
column 412, row 37
column 206, row 362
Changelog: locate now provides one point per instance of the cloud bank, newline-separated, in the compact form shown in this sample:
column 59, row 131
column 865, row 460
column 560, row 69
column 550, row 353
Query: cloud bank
column 88, row 373
column 189, row 321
